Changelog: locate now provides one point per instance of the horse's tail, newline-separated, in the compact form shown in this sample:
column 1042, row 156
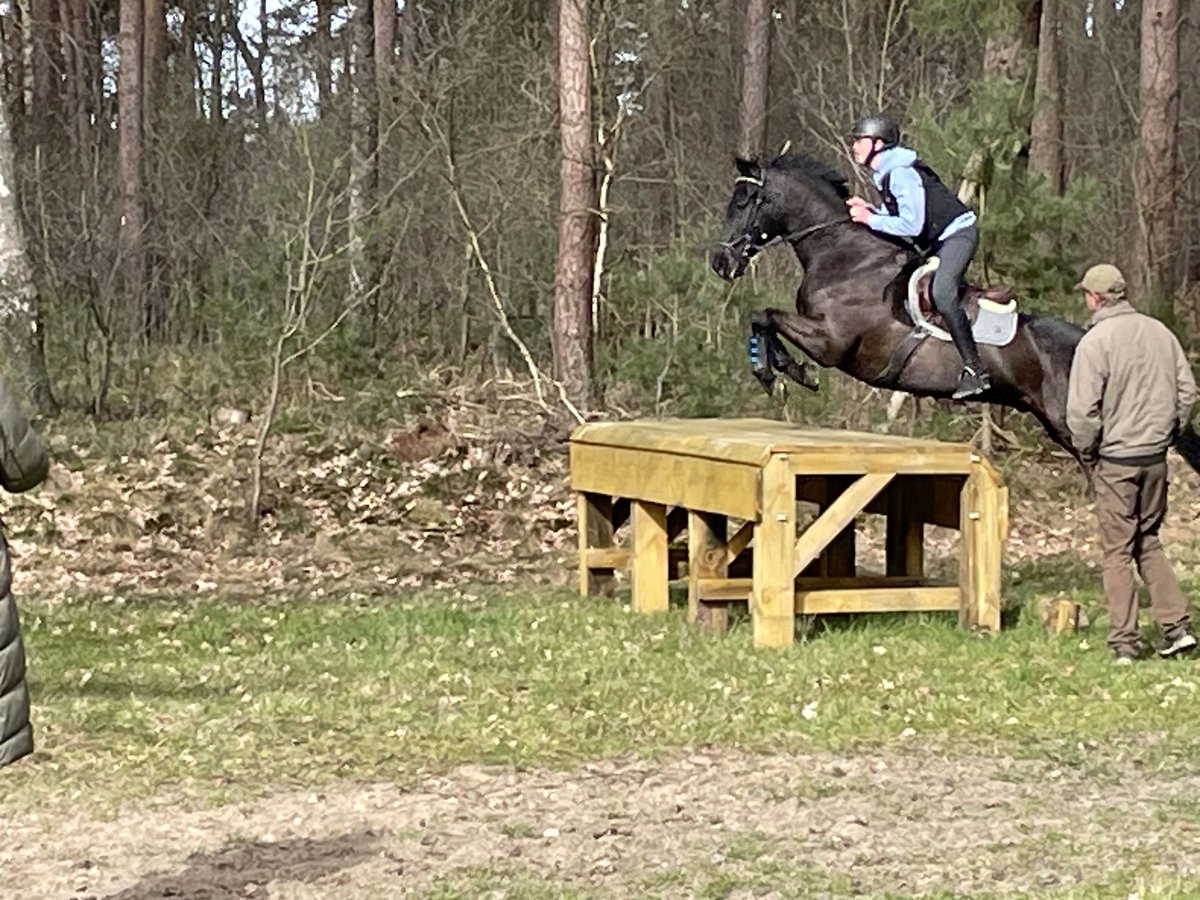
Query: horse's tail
column 1188, row 446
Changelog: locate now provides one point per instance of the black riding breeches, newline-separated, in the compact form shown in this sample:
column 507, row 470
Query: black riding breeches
column 955, row 254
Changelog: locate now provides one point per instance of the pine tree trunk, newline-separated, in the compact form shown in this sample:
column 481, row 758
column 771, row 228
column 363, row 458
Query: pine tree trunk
column 364, row 157
column 385, row 62
column 324, row 59
column 752, row 133
column 47, row 57
column 154, row 61
column 14, row 52
column 1046, row 133
column 129, row 153
column 1152, row 275
column 572, row 328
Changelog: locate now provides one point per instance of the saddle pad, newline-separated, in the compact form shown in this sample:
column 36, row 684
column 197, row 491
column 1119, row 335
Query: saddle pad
column 995, row 324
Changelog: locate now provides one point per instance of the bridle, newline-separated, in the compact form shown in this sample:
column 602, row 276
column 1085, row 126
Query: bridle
column 750, row 246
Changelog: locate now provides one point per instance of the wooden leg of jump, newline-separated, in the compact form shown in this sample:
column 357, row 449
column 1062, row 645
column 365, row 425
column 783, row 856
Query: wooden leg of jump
column 981, row 522
column 648, row 569
column 773, row 597
column 905, row 533
column 595, row 518
column 817, row 491
column 706, row 559
column 839, row 557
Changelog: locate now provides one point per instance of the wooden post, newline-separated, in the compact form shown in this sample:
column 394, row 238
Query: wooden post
column 905, row 533
column 981, row 522
column 1066, row 617
column 595, row 515
column 773, row 598
column 650, row 558
column 707, row 558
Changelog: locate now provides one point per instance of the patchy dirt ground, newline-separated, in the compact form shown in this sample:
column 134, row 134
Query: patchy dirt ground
column 808, row 825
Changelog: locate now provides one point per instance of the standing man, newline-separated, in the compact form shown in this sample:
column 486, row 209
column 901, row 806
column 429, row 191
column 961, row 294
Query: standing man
column 1131, row 391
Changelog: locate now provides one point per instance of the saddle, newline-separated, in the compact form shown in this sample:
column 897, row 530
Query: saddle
column 992, row 311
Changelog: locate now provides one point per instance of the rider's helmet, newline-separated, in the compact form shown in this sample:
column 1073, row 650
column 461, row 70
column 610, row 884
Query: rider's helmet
column 878, row 126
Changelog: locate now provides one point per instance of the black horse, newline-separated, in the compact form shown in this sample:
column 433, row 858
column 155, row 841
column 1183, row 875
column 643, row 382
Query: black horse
column 850, row 312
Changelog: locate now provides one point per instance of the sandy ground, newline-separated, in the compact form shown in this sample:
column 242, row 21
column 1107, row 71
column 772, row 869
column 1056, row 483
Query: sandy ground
column 627, row 828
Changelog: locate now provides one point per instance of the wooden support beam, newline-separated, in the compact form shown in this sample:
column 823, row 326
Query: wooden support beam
column 905, row 546
column 739, row 542
column 836, row 517
column 610, row 558
column 980, row 552
column 620, row 512
column 621, row 558
column 595, row 520
column 838, row 560
column 771, row 602
column 649, row 566
column 876, row 600
column 677, row 521
column 706, row 559
column 845, row 596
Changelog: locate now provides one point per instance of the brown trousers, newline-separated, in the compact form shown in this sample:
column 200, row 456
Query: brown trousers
column 1131, row 503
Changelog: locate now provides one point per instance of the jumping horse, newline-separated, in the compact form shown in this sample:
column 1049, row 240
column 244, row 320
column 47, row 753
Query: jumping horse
column 853, row 311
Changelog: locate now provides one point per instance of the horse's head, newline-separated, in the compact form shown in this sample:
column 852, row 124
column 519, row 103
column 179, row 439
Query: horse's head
column 773, row 201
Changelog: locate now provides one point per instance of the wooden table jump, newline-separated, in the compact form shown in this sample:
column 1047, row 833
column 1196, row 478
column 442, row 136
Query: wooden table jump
column 672, row 476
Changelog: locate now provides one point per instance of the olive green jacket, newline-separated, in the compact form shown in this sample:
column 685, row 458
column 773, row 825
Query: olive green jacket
column 24, row 464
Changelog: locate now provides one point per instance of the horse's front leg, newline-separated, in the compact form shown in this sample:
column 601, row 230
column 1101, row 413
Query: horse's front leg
column 761, row 357
column 803, row 373
column 810, row 336
column 768, row 355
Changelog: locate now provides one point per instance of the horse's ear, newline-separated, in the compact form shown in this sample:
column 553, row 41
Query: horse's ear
column 747, row 168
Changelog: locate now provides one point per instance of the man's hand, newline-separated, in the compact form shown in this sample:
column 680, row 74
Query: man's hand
column 860, row 210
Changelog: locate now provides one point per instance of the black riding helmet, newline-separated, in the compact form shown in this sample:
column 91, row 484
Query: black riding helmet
column 878, row 126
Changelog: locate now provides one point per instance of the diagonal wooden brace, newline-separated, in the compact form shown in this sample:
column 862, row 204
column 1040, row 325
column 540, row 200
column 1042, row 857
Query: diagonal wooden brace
column 840, row 513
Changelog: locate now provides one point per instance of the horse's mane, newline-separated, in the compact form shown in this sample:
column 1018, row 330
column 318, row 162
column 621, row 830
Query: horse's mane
column 813, row 169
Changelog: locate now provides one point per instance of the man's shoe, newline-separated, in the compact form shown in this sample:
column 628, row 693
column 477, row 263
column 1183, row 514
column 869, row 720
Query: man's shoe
column 1183, row 643
column 971, row 383
column 1124, row 656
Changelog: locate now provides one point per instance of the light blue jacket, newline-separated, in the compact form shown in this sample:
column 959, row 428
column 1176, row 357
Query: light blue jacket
column 909, row 191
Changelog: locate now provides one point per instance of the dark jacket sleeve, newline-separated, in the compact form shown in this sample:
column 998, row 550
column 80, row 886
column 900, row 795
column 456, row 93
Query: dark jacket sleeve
column 24, row 460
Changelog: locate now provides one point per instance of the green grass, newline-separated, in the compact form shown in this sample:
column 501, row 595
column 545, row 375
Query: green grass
column 217, row 699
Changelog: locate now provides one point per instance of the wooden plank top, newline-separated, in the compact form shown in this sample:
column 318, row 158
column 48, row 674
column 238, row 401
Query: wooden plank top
column 753, row 441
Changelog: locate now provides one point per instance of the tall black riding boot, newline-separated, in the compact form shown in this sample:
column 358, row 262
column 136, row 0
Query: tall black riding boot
column 973, row 379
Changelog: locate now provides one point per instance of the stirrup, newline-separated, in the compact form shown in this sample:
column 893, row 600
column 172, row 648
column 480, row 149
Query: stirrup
column 983, row 383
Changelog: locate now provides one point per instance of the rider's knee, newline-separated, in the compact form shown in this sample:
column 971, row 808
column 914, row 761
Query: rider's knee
column 945, row 297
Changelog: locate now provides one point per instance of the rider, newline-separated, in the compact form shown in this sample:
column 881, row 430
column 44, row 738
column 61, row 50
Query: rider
column 918, row 206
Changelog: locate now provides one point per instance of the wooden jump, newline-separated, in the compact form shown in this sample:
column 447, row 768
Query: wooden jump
column 676, row 476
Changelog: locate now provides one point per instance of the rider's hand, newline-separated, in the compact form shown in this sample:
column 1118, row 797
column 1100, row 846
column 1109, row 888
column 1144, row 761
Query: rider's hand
column 861, row 213
column 856, row 201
